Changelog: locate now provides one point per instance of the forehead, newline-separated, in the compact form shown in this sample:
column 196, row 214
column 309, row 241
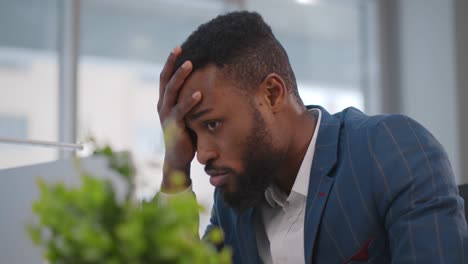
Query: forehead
column 203, row 80
column 214, row 85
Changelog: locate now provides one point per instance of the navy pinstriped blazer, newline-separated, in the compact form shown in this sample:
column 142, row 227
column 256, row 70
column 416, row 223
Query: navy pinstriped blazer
column 381, row 190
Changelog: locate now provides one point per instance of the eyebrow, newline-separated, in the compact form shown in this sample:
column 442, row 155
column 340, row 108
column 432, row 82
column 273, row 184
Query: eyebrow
column 199, row 114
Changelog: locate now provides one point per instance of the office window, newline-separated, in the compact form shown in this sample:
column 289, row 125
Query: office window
column 323, row 41
column 28, row 78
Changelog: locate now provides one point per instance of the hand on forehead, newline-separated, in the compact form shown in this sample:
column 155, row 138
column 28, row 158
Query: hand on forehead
column 203, row 80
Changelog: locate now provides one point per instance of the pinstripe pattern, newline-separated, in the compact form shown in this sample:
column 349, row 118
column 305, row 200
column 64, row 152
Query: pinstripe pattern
column 356, row 181
column 346, row 216
column 383, row 179
column 428, row 164
column 429, row 167
column 381, row 173
column 335, row 242
column 437, row 230
column 407, row 166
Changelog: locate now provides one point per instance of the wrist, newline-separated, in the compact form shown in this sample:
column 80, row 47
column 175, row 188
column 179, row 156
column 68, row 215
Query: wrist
column 175, row 178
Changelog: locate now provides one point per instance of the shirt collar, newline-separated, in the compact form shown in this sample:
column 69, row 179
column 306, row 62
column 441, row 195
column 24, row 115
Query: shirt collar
column 274, row 196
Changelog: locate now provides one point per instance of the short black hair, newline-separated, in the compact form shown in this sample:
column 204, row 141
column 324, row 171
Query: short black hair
column 243, row 46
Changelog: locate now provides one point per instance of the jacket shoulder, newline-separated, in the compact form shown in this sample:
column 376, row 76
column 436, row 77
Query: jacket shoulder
column 356, row 119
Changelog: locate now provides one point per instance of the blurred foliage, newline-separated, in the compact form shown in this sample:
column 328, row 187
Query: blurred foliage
column 87, row 224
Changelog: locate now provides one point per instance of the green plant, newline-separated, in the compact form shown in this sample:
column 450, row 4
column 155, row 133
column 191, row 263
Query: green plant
column 87, row 224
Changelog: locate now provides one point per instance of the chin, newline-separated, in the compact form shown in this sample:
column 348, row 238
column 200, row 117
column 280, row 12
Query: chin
column 241, row 201
column 229, row 189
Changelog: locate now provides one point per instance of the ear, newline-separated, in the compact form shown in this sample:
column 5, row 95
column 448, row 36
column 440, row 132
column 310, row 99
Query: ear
column 273, row 92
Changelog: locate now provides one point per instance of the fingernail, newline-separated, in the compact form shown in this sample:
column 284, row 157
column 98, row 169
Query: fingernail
column 196, row 95
column 186, row 65
column 175, row 50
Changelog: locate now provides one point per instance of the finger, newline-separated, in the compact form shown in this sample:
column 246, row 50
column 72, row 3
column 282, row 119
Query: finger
column 167, row 70
column 184, row 107
column 175, row 84
column 175, row 124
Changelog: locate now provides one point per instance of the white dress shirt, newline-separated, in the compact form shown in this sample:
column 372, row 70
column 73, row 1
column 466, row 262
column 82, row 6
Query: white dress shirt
column 280, row 231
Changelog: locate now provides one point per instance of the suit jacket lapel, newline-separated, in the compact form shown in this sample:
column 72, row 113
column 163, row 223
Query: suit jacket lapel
column 247, row 236
column 319, row 182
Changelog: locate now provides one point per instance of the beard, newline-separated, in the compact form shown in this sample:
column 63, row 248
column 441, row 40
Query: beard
column 261, row 161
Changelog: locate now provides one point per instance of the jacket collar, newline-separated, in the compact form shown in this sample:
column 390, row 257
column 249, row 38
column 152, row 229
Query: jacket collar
column 320, row 182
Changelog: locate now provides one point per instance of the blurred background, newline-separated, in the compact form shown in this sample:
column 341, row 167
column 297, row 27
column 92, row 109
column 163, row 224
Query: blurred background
column 70, row 69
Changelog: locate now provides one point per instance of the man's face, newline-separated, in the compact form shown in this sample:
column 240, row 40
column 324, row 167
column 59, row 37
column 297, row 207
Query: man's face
column 233, row 140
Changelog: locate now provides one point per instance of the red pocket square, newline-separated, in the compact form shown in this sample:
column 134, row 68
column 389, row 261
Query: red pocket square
column 362, row 254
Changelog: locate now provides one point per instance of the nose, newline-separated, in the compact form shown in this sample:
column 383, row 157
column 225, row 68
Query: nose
column 205, row 154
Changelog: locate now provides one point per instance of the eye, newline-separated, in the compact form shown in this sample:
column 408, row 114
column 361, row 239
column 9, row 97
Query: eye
column 212, row 125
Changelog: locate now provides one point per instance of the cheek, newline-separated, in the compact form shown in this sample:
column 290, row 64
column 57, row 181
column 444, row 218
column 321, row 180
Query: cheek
column 233, row 150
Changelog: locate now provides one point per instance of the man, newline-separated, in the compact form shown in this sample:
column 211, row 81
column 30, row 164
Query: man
column 295, row 184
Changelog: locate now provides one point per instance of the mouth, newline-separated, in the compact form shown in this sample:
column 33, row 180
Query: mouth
column 218, row 178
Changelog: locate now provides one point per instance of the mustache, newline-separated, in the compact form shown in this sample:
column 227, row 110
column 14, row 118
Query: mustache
column 210, row 167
